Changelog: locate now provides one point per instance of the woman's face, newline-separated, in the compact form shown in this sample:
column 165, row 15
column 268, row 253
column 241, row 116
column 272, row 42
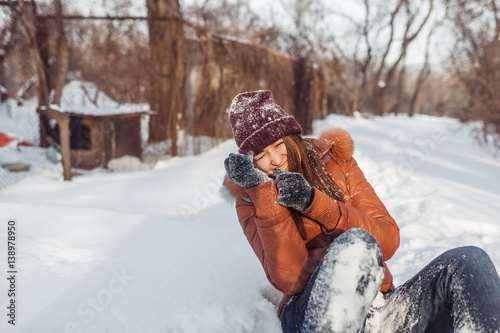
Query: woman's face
column 272, row 157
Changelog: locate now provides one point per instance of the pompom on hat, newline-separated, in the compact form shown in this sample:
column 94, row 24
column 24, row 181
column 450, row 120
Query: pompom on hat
column 257, row 121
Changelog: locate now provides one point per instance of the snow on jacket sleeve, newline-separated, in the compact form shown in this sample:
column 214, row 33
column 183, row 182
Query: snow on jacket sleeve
column 365, row 211
column 272, row 233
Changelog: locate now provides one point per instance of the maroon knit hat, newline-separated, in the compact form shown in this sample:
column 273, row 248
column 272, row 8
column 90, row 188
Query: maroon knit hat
column 257, row 121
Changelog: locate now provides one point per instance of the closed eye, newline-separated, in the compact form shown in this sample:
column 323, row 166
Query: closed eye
column 258, row 158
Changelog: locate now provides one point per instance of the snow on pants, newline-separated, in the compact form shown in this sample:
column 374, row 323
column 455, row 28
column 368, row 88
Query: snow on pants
column 339, row 293
column 457, row 292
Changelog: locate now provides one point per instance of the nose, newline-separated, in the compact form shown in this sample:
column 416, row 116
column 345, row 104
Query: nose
column 276, row 158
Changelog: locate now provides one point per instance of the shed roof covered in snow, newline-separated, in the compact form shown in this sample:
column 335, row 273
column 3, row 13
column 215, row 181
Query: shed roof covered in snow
column 84, row 98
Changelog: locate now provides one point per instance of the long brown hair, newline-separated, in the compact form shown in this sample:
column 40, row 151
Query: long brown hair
column 303, row 158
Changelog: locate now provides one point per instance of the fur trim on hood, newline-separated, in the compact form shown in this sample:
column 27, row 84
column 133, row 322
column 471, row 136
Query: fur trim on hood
column 336, row 141
column 341, row 144
column 230, row 191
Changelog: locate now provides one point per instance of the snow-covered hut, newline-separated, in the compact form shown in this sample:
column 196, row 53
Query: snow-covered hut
column 101, row 129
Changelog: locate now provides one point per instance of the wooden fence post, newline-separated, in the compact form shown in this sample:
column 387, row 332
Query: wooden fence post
column 64, row 135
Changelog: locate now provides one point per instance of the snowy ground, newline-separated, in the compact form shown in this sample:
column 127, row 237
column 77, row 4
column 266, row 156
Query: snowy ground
column 160, row 251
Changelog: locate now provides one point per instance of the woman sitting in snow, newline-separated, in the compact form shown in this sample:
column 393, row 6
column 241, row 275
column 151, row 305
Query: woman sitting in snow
column 323, row 236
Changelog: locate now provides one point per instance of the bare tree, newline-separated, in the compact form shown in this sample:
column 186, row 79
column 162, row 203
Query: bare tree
column 105, row 51
column 225, row 18
column 63, row 54
column 27, row 20
column 386, row 70
column 476, row 60
column 425, row 70
column 50, row 73
column 7, row 42
column 369, row 71
column 42, row 76
column 166, row 35
column 301, row 41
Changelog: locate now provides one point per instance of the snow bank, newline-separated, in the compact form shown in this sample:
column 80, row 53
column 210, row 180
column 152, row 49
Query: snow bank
column 160, row 251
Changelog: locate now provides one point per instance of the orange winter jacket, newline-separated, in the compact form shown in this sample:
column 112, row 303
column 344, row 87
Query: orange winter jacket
column 287, row 259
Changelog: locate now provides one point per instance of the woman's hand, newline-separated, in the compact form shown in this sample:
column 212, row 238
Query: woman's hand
column 293, row 190
column 241, row 170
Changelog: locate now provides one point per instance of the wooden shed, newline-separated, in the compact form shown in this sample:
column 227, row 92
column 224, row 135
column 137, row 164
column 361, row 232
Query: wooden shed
column 100, row 135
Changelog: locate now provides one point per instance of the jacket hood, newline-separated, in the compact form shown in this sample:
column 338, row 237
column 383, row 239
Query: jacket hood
column 335, row 141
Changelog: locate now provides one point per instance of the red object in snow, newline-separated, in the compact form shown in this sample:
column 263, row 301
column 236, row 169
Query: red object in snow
column 5, row 140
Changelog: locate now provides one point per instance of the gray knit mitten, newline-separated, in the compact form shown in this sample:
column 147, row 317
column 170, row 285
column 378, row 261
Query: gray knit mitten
column 293, row 190
column 241, row 170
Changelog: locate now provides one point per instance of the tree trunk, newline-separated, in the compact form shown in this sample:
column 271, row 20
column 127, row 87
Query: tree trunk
column 378, row 100
column 31, row 36
column 63, row 55
column 7, row 40
column 43, row 91
column 396, row 106
column 166, row 40
column 41, row 87
column 303, row 78
column 62, row 119
column 378, row 91
column 3, row 93
column 43, row 36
